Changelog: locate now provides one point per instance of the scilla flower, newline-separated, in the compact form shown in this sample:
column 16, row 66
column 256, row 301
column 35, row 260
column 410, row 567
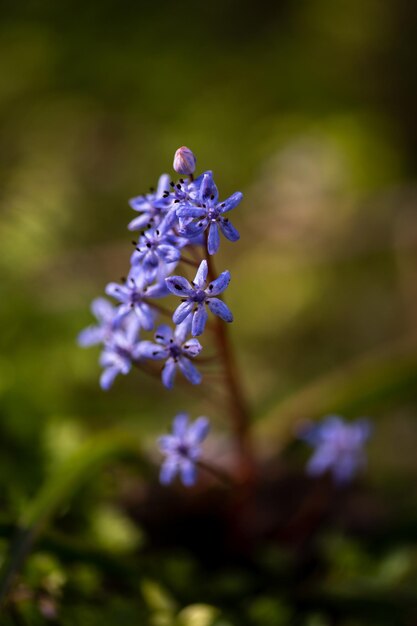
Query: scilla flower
column 339, row 447
column 182, row 449
column 151, row 206
column 196, row 295
column 132, row 298
column 120, row 352
column 106, row 315
column 176, row 350
column 208, row 212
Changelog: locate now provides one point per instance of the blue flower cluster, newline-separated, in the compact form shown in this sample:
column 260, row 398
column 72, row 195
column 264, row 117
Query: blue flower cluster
column 339, row 447
column 178, row 216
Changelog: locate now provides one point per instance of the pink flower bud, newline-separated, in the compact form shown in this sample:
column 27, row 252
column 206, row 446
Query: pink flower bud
column 184, row 161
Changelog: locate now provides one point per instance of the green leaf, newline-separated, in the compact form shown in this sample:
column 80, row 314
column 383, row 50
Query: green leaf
column 59, row 489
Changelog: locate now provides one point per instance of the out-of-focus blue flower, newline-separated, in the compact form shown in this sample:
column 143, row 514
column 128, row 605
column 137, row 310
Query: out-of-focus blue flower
column 182, row 449
column 196, row 295
column 155, row 250
column 120, row 351
column 184, row 161
column 176, row 350
column 106, row 315
column 205, row 211
column 339, row 447
column 151, row 206
column 132, row 297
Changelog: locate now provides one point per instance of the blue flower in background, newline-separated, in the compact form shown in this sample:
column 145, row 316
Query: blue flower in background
column 176, row 350
column 152, row 206
column 207, row 212
column 132, row 297
column 106, row 315
column 194, row 297
column 182, row 449
column 339, row 447
column 120, row 351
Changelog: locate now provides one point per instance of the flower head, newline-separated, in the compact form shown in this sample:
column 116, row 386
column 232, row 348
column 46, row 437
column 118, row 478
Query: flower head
column 196, row 295
column 119, row 352
column 206, row 212
column 132, row 298
column 184, row 161
column 108, row 321
column 182, row 449
column 176, row 350
column 151, row 206
column 156, row 249
column 339, row 447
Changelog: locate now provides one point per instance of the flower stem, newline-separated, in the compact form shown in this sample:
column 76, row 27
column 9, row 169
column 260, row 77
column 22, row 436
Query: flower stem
column 238, row 406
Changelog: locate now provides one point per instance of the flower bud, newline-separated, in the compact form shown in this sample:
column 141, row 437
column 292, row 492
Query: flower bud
column 184, row 161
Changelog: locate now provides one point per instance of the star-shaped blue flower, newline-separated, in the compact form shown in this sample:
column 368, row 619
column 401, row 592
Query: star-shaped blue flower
column 182, row 449
column 339, row 447
column 119, row 352
column 107, row 317
column 132, row 297
column 151, row 206
column 196, row 295
column 207, row 212
column 176, row 350
column 155, row 250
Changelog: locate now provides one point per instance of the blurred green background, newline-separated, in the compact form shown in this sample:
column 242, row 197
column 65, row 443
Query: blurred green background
column 309, row 108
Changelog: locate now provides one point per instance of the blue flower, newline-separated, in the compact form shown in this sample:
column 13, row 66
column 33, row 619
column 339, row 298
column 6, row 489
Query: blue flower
column 132, row 297
column 106, row 315
column 339, row 447
column 152, row 206
column 155, row 250
column 120, row 351
column 207, row 212
column 176, row 350
column 194, row 296
column 182, row 449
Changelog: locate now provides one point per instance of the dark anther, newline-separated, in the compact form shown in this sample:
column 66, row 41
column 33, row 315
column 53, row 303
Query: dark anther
column 226, row 219
column 183, row 299
column 181, row 180
column 148, row 245
column 223, row 205
column 134, row 243
column 171, row 341
column 123, row 279
column 177, row 286
column 159, row 337
column 172, row 183
column 157, row 232
column 155, row 352
column 176, row 201
column 210, row 287
column 212, row 197
column 152, row 189
column 178, row 186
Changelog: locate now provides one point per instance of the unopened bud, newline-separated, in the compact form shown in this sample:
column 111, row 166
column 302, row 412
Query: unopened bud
column 184, row 161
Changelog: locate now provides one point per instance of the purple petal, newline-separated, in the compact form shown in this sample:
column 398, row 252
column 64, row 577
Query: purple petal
column 163, row 185
column 219, row 285
column 169, row 253
column 188, row 472
column 183, row 330
column 213, row 241
column 180, row 425
column 168, row 373
column 201, row 275
column 228, row 230
column 179, row 286
column 231, row 202
column 182, row 312
column 163, row 334
column 139, row 223
column 90, row 336
column 190, row 372
column 167, row 444
column 192, row 347
column 168, row 471
column 119, row 292
column 146, row 315
column 188, row 210
column 221, row 309
column 199, row 321
column 208, row 191
column 102, row 309
column 150, row 350
column 107, row 377
column 198, row 430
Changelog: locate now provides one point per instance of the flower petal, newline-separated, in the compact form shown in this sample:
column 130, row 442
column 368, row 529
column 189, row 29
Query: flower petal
column 179, row 286
column 201, row 275
column 168, row 253
column 231, row 202
column 182, row 330
column 107, row 377
column 90, row 336
column 208, row 191
column 163, row 185
column 192, row 347
column 163, row 334
column 213, row 240
column 228, row 230
column 168, row 373
column 102, row 309
column 198, row 430
column 221, row 309
column 188, row 210
column 182, row 311
column 180, row 425
column 199, row 321
column 219, row 284
column 188, row 472
column 190, row 372
column 139, row 223
column 169, row 468
column 150, row 350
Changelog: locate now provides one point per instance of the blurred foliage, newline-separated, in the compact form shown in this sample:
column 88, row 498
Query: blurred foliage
column 309, row 108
